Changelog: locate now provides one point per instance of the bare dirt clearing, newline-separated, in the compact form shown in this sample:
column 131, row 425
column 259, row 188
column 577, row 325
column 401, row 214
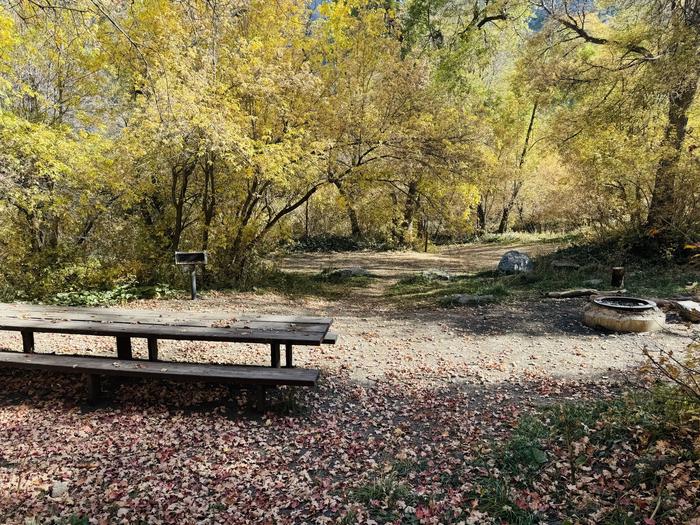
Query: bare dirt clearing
column 393, row 264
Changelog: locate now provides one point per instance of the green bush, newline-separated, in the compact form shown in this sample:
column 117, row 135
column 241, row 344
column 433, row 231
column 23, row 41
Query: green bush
column 118, row 295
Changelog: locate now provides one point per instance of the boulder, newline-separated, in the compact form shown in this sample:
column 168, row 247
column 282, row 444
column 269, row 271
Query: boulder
column 514, row 262
column 435, row 275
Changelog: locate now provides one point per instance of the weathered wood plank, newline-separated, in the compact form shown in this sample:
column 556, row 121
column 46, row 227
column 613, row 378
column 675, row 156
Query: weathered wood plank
column 163, row 332
column 177, row 371
column 165, row 321
column 158, row 314
column 330, row 338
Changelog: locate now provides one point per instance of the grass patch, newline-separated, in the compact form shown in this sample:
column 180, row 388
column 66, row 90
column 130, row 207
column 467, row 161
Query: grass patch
column 417, row 288
column 380, row 498
column 640, row 436
column 609, row 458
column 495, row 499
column 299, row 284
column 529, row 238
column 656, row 280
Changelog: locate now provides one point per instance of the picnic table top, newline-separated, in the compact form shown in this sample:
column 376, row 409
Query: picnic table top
column 184, row 325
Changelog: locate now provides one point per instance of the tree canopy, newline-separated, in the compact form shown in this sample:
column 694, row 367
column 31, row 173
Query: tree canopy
column 131, row 130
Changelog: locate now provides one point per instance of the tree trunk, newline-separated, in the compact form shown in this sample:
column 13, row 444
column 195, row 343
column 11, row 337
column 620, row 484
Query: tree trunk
column 662, row 208
column 481, row 216
column 355, row 228
column 178, row 196
column 505, row 217
column 409, row 212
column 518, row 184
column 508, row 207
column 395, row 222
column 208, row 199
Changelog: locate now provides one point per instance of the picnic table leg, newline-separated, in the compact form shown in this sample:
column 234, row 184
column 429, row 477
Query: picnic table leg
column 94, row 388
column 275, row 355
column 260, row 401
column 28, row 341
column 152, row 349
column 124, row 347
column 288, row 356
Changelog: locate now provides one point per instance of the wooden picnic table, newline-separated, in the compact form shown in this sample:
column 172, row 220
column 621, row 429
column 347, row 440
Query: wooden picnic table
column 152, row 325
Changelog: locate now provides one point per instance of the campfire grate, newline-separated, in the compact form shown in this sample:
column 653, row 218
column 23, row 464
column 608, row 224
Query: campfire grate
column 633, row 304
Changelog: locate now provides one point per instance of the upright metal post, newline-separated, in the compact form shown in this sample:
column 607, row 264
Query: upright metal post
column 193, row 282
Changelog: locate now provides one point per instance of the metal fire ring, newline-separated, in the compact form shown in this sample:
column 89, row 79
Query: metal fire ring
column 624, row 303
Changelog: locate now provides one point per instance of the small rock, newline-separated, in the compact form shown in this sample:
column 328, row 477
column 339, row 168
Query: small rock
column 58, row 489
column 566, row 265
column 514, row 261
column 461, row 298
column 353, row 271
column 435, row 275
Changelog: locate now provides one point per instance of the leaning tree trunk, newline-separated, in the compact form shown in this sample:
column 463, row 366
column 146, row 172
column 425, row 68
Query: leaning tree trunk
column 518, row 184
column 508, row 206
column 505, row 218
column 662, row 207
column 355, row 228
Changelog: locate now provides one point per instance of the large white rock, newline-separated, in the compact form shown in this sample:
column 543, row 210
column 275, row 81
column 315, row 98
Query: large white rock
column 514, row 261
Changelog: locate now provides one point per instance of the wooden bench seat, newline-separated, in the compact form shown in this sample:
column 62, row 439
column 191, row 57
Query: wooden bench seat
column 330, row 338
column 94, row 367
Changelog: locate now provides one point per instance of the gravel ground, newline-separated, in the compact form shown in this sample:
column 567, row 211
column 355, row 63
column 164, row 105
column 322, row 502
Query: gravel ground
column 378, row 340
column 424, row 385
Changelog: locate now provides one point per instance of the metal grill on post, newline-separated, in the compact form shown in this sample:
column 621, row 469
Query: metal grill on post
column 189, row 261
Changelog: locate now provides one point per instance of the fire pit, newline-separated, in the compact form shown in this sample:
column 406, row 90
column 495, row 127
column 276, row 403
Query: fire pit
column 625, row 303
column 624, row 314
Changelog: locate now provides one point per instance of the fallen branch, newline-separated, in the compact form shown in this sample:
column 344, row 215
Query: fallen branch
column 581, row 292
column 566, row 294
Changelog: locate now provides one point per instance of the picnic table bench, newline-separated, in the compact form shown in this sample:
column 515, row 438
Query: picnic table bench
column 124, row 325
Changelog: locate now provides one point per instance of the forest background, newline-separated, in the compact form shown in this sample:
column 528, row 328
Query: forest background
column 131, row 130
